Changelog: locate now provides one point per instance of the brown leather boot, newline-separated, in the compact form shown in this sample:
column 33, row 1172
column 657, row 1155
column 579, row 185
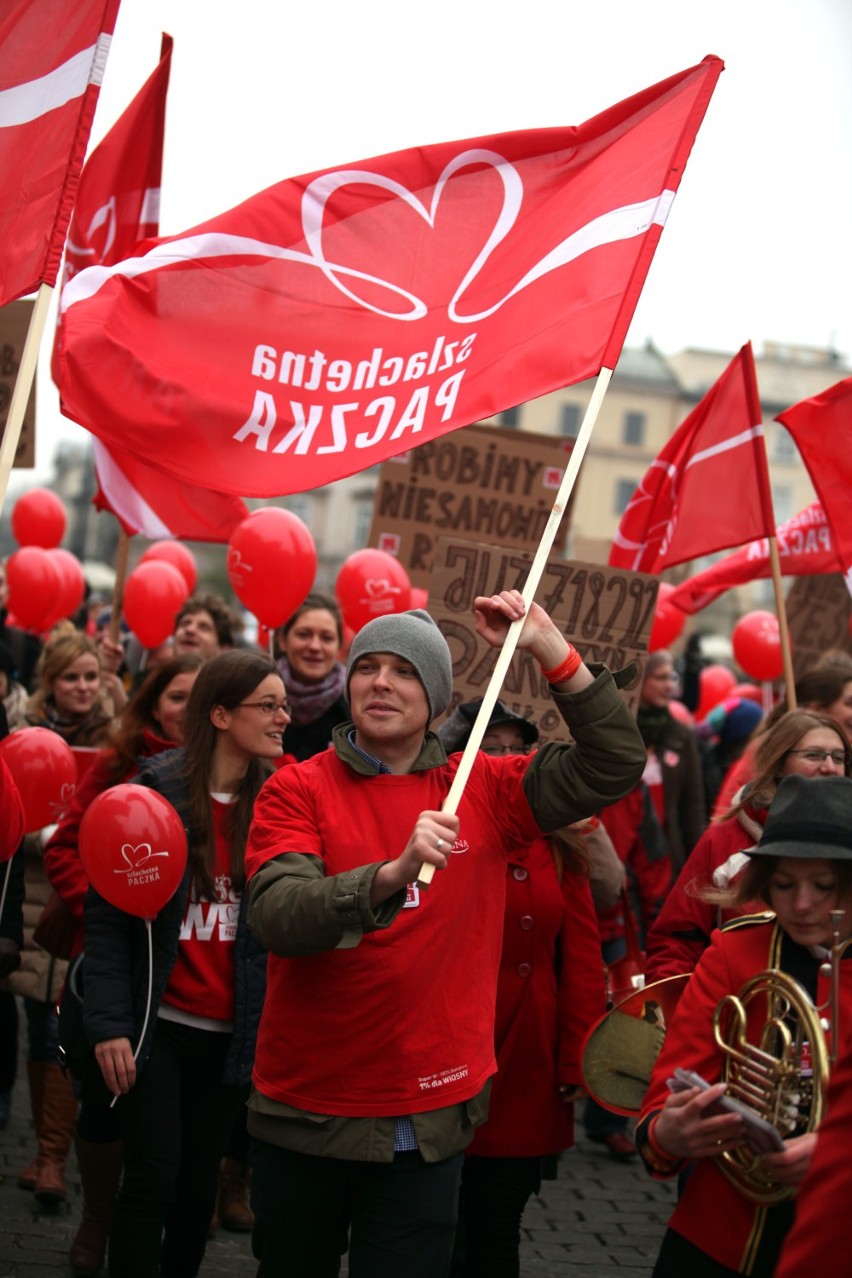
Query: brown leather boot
column 35, row 1078
column 58, row 1116
column 233, row 1201
column 100, row 1173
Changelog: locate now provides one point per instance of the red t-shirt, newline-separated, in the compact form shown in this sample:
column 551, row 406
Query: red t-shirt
column 202, row 979
column 403, row 1022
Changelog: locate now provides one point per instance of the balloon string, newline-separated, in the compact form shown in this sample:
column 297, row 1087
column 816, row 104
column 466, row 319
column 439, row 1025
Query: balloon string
column 5, row 885
column 148, row 1001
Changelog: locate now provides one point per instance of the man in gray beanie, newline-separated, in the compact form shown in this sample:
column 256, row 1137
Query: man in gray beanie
column 376, row 1042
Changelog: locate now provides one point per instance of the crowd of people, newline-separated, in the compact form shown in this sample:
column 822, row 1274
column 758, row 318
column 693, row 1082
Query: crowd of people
column 325, row 1048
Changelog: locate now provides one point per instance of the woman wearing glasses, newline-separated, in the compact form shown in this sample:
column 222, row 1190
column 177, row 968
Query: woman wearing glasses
column 802, row 743
column 180, row 1094
column 549, row 991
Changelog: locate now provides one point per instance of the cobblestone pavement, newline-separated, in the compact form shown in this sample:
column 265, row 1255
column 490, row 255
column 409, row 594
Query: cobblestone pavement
column 599, row 1218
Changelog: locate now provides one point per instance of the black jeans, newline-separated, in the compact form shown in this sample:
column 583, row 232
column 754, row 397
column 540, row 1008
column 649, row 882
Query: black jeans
column 494, row 1193
column 399, row 1217
column 175, row 1123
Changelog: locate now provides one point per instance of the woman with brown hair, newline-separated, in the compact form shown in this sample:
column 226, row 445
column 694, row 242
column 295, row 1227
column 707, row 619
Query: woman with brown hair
column 800, row 743
column 182, row 1084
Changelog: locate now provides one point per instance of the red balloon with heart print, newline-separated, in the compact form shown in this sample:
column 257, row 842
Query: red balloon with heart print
column 756, row 640
column 272, row 563
column 133, row 848
column 176, row 554
column 39, row 518
column 371, row 583
column 44, row 769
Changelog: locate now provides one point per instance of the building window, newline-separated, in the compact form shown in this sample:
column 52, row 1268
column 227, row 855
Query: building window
column 624, row 490
column 511, row 418
column 363, row 520
column 569, row 420
column 299, row 505
column 633, row 429
column 782, row 503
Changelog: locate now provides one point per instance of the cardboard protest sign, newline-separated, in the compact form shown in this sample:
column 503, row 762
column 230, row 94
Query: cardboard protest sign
column 606, row 613
column 485, row 483
column 818, row 613
column 14, row 325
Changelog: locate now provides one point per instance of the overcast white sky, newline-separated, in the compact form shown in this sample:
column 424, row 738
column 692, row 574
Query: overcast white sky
column 758, row 242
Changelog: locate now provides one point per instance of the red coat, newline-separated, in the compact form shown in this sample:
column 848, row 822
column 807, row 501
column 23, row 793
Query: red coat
column 550, row 989
column 638, row 839
column 712, row 1213
column 681, row 932
column 819, row 1240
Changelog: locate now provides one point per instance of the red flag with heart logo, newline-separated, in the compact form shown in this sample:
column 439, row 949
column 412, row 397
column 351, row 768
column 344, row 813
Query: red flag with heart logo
column 338, row 318
column 709, row 487
column 805, row 546
column 822, row 429
column 54, row 55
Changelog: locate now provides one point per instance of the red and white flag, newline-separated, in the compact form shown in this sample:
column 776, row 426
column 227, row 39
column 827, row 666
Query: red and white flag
column 822, row 430
column 709, row 487
column 805, row 546
column 53, row 58
column 147, row 501
column 339, row 318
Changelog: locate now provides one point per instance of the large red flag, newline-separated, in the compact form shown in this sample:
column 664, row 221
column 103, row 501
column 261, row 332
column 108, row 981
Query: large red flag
column 805, row 546
column 709, row 487
column 338, row 318
column 118, row 204
column 53, row 58
column 822, row 429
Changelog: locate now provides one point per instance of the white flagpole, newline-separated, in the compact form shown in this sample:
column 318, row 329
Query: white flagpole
column 23, row 385
column 424, row 877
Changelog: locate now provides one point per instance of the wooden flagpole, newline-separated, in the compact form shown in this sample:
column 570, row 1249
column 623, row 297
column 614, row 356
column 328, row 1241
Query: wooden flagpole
column 118, row 586
column 424, row 878
column 23, row 386
column 783, row 631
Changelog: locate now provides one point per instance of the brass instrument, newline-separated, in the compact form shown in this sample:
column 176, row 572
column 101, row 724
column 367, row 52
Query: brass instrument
column 771, row 1076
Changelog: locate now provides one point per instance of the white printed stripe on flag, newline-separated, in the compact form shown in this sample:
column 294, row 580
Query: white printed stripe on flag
column 27, row 102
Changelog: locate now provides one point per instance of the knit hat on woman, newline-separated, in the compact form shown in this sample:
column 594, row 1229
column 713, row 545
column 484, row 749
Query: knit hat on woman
column 414, row 637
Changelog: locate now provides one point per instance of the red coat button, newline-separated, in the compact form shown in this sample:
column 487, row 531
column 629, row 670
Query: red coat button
column 525, row 922
column 520, row 874
column 524, row 969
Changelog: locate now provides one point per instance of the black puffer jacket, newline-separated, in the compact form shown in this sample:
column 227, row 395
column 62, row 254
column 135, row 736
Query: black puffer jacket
column 115, row 969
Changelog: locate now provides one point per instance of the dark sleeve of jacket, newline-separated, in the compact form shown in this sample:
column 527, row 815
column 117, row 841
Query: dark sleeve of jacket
column 249, row 993
column 12, row 918
column 565, row 783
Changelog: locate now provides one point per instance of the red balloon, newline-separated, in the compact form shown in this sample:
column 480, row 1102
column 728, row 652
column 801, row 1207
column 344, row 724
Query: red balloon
column 750, row 691
column 33, row 586
column 72, row 586
column 714, row 684
column 371, row 583
column 176, row 554
column 419, row 597
column 272, row 563
column 38, row 519
column 133, row 848
column 44, row 770
column 669, row 621
column 153, row 594
column 756, row 641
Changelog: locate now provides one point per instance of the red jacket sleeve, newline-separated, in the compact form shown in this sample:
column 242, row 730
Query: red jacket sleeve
column 62, row 861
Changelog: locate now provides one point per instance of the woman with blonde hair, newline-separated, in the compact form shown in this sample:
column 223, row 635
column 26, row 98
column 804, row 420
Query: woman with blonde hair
column 800, row 743
column 70, row 698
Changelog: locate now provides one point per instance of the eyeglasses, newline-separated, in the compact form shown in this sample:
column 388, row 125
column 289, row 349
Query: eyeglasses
column 820, row 756
column 504, row 749
column 267, row 707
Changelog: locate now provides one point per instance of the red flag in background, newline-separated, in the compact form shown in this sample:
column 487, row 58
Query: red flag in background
column 146, row 501
column 339, row 318
column 53, row 58
column 118, row 198
column 709, row 487
column 805, row 546
column 822, row 429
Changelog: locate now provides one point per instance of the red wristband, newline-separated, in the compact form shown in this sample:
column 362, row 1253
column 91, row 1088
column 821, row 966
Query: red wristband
column 569, row 667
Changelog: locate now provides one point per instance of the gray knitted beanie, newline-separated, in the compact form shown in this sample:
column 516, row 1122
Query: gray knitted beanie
column 414, row 637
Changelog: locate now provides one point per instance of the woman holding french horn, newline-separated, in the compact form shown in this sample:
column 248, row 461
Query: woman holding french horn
column 748, row 1024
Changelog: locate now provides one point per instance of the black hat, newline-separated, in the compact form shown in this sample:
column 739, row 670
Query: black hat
column 809, row 817
column 455, row 730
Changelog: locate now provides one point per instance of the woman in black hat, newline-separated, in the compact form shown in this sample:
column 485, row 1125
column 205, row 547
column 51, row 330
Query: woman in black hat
column 802, row 870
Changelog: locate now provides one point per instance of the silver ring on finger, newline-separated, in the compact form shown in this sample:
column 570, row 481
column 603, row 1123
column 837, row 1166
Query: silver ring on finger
column 439, row 844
